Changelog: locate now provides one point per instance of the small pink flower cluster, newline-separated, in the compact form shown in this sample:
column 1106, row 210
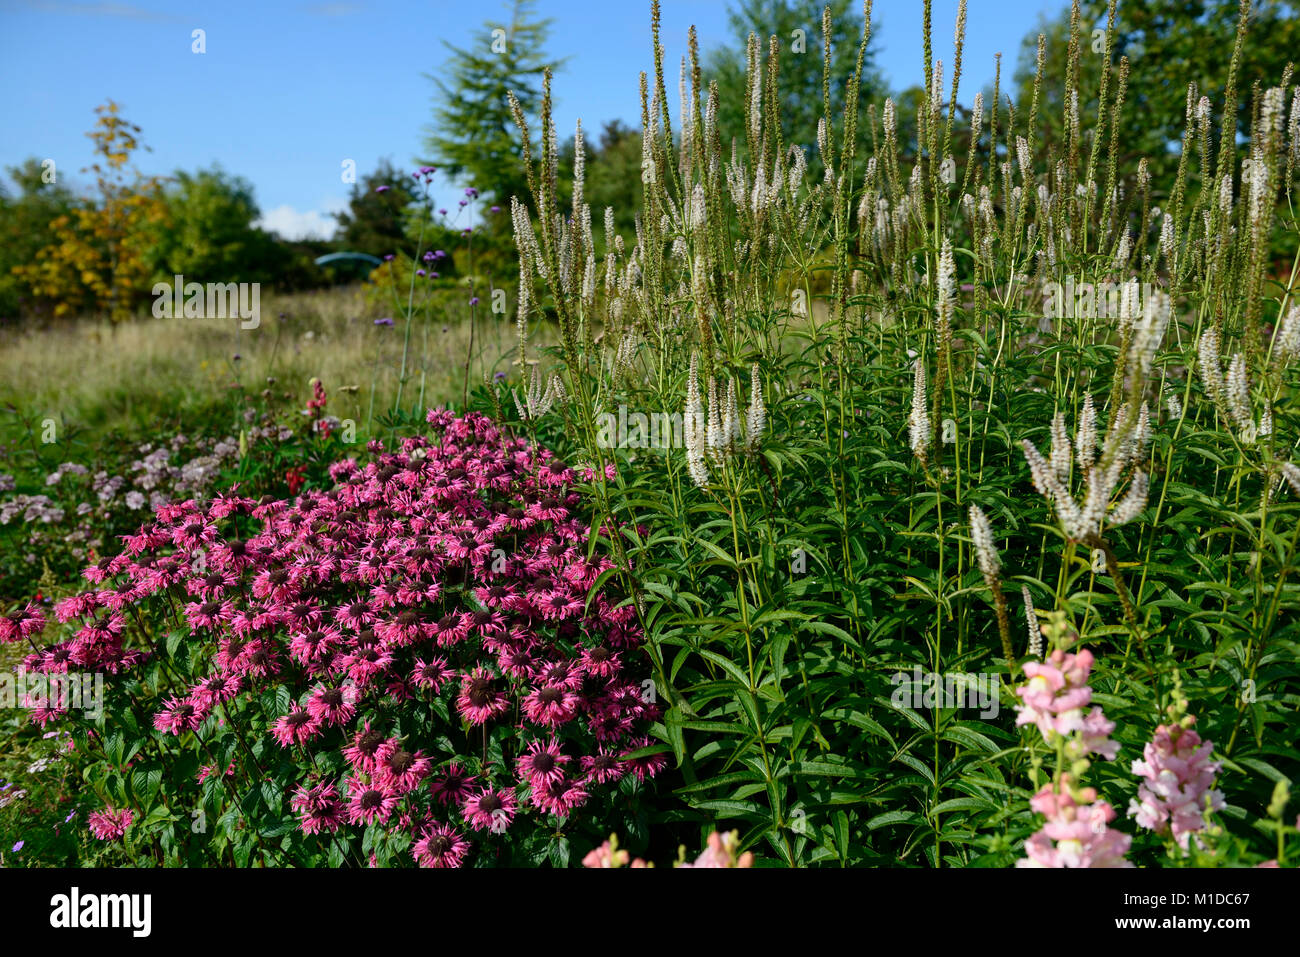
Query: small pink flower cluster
column 110, row 824
column 609, row 855
column 1054, row 701
column 1177, row 778
column 1076, row 833
column 721, row 852
column 443, row 584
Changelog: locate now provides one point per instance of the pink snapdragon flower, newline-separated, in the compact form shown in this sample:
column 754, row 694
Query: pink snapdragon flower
column 721, row 852
column 1177, row 778
column 1076, row 832
column 610, row 855
column 1055, row 699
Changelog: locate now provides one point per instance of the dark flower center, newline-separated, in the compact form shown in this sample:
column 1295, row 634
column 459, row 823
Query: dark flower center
column 479, row 695
column 544, row 762
column 399, row 762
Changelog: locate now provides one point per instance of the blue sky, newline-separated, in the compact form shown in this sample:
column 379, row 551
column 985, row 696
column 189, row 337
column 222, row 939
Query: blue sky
column 287, row 91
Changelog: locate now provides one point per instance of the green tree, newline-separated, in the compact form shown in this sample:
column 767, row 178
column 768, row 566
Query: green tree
column 212, row 233
column 797, row 25
column 25, row 218
column 99, row 254
column 375, row 221
column 474, row 136
column 1168, row 43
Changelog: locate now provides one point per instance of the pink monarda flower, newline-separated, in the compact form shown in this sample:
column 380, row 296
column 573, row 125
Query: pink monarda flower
column 721, row 852
column 315, row 646
column 440, row 846
column 602, row 767
column 647, row 766
column 214, row 690
column 551, row 706
column 454, row 785
column 542, row 763
column 110, row 824
column 478, row 700
column 22, row 624
column 1075, row 833
column 560, row 797
column 319, row 808
column 371, row 802
column 180, row 715
column 363, row 752
column 489, row 810
column 399, row 769
column 1054, row 701
column 432, row 674
column 1177, row 778
column 296, row 727
column 330, row 706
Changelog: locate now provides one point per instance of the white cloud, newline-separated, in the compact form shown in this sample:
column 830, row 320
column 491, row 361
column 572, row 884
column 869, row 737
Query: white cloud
column 308, row 224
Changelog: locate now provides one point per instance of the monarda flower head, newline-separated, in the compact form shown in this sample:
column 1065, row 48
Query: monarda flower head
column 110, row 824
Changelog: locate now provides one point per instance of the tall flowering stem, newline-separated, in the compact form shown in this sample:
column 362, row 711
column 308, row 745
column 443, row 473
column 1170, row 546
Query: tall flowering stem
column 1057, row 701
